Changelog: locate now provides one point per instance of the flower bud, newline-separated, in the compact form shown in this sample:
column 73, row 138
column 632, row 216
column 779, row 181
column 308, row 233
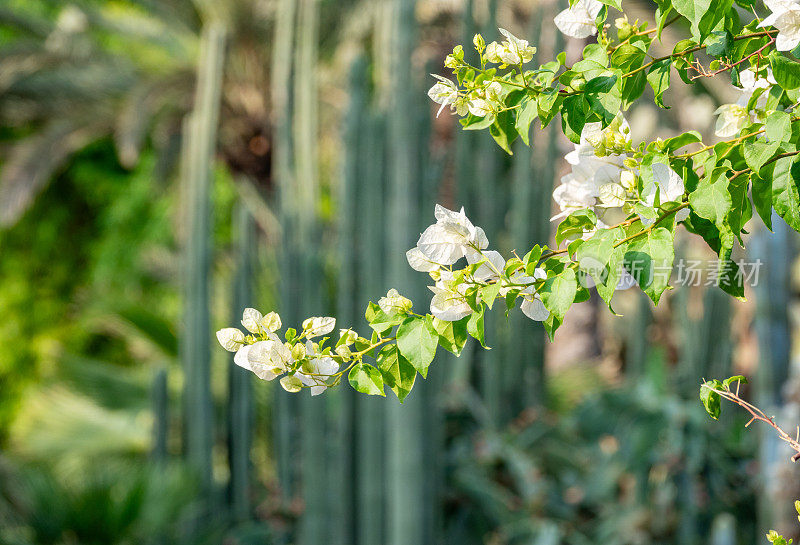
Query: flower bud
column 477, row 40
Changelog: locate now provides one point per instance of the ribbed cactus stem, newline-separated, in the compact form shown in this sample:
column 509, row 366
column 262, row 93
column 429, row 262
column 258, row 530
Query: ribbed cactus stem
column 240, row 395
column 406, row 477
column 280, row 94
column 197, row 172
column 160, row 396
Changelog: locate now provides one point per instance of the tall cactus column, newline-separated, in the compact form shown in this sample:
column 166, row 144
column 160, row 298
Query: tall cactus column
column 240, row 395
column 196, row 172
column 280, row 94
column 406, row 475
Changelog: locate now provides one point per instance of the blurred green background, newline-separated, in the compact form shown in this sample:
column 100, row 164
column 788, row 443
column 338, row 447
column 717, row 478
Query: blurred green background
column 166, row 163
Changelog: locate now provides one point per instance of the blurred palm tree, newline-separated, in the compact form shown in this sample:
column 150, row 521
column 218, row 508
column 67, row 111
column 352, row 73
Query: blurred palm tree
column 70, row 75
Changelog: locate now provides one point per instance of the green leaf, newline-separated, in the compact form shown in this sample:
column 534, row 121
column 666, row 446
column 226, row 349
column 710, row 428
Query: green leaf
column 648, row 258
column 712, row 200
column 785, row 195
column 758, row 153
column 730, row 380
column 677, row 142
column 627, row 57
column 558, row 292
column 599, row 258
column 575, row 224
column 779, row 126
column 658, row 78
column 475, row 326
column 397, row 372
column 718, row 43
column 503, row 131
column 693, row 10
column 573, row 117
column 489, row 293
column 379, row 321
column 452, row 335
column 762, row 199
column 366, row 379
column 417, row 341
column 785, row 71
column 525, row 116
column 711, row 399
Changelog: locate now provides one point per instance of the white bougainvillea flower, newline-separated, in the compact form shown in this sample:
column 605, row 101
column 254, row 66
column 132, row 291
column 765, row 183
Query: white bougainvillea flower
column 449, row 302
column 511, row 51
column 486, row 101
column 531, row 305
column 394, row 302
column 480, row 107
column 419, row 262
column 240, row 358
column 670, row 187
column 493, row 264
column 444, row 92
column 751, row 83
column 316, row 372
column 271, row 321
column 450, row 238
column 785, row 17
column 316, row 326
column 611, row 195
column 230, row 338
column 574, row 193
column 251, row 320
column 533, row 308
column 448, row 305
column 577, row 21
column 268, row 359
column 732, row 119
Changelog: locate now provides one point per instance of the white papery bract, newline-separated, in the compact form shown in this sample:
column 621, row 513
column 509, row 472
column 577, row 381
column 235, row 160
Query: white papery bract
column 271, row 321
column 732, row 119
column 452, row 237
column 511, row 51
column 486, row 101
column 786, row 18
column 449, row 302
column 578, row 21
column 230, row 338
column 419, row 262
column 316, row 372
column 394, row 302
column 531, row 305
column 316, row 326
column 268, row 359
column 490, row 269
column 444, row 92
column 751, row 82
column 596, row 181
column 251, row 320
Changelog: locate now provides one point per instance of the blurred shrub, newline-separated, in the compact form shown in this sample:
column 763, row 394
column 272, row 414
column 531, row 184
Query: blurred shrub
column 625, row 465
